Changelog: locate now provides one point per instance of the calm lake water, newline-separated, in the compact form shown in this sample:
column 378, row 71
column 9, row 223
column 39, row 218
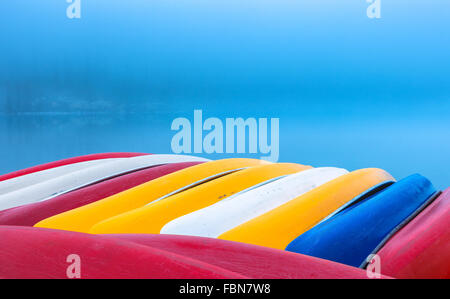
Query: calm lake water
column 349, row 91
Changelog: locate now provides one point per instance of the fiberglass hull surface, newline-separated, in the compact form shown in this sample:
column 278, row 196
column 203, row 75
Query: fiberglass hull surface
column 421, row 249
column 27, row 180
column 228, row 213
column 253, row 261
column 84, row 218
column 82, row 178
column 27, row 252
column 66, row 162
column 152, row 217
column 30, row 214
column 278, row 227
column 350, row 236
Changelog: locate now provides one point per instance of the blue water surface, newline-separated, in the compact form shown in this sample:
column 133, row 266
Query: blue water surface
column 349, row 91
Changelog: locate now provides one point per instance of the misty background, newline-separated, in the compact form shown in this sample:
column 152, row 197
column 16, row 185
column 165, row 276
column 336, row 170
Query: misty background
column 350, row 91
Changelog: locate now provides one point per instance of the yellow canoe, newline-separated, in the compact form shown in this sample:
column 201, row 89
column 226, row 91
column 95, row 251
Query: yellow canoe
column 83, row 218
column 151, row 218
column 280, row 226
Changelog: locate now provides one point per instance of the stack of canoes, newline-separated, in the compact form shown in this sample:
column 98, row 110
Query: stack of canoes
column 128, row 215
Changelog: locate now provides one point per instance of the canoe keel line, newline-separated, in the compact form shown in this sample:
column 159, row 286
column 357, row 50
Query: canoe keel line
column 133, row 215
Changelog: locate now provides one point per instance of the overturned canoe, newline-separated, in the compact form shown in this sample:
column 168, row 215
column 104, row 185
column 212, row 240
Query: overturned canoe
column 351, row 235
column 152, row 217
column 30, row 214
column 253, row 261
column 68, row 161
column 421, row 249
column 280, row 226
column 27, row 252
column 82, row 219
column 27, row 180
column 230, row 212
column 85, row 177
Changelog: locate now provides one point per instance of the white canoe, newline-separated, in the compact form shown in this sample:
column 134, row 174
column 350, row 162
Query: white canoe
column 84, row 177
column 27, row 180
column 226, row 214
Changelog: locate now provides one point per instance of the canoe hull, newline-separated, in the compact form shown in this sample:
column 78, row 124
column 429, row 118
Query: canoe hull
column 350, row 236
column 82, row 178
column 43, row 253
column 67, row 162
column 226, row 214
column 29, row 215
column 253, row 261
column 84, row 218
column 427, row 240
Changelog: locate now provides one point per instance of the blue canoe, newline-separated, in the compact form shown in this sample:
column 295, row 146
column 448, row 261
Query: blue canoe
column 353, row 233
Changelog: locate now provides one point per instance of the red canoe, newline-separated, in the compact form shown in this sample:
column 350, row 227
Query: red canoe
column 66, row 162
column 253, row 261
column 421, row 249
column 27, row 252
column 29, row 215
